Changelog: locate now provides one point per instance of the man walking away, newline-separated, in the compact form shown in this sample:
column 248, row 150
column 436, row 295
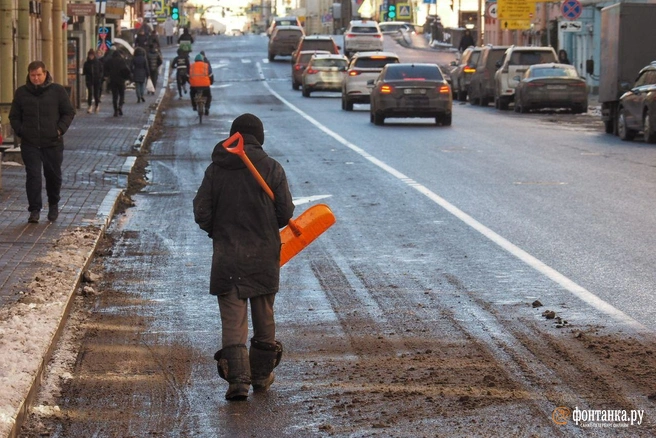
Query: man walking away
column 93, row 75
column 40, row 115
column 140, row 72
column 118, row 72
column 154, row 61
column 244, row 225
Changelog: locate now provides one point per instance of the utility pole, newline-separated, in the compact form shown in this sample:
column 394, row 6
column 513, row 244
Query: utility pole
column 6, row 51
column 23, row 43
column 57, row 44
column 46, row 33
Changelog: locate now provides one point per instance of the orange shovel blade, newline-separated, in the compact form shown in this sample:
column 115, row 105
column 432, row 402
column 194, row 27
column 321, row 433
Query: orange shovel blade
column 303, row 230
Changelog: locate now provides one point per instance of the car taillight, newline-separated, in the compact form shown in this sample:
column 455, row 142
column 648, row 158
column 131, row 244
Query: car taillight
column 353, row 73
column 350, row 35
column 312, row 71
column 445, row 89
column 378, row 36
column 469, row 70
column 386, row 89
column 534, row 84
column 579, row 84
column 298, row 67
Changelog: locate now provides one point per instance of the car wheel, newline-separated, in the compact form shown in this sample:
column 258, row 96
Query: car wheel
column 443, row 119
column 503, row 104
column 462, row 94
column 483, row 101
column 609, row 127
column 649, row 128
column 349, row 105
column 271, row 57
column 580, row 109
column 379, row 119
column 625, row 133
column 343, row 102
column 371, row 117
column 496, row 102
column 306, row 91
column 295, row 85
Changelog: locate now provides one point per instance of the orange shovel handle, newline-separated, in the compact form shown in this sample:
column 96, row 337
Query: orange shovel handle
column 238, row 149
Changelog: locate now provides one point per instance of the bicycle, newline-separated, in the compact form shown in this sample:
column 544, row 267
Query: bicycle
column 200, row 101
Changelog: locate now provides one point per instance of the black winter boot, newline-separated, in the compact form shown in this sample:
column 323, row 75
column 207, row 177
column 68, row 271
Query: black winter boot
column 234, row 367
column 264, row 357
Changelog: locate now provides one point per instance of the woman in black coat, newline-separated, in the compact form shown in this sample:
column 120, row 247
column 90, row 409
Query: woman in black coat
column 140, row 72
column 93, row 75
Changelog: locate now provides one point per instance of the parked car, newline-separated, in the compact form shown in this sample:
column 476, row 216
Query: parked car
column 362, row 67
column 283, row 21
column 551, row 86
column 481, row 84
column 284, row 41
column 298, row 67
column 393, row 27
column 362, row 35
column 515, row 61
column 462, row 72
column 324, row 73
column 410, row 90
column 316, row 42
column 637, row 107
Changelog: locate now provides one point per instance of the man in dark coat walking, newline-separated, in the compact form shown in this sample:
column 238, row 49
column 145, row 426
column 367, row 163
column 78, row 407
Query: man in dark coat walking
column 40, row 115
column 118, row 72
column 244, row 225
column 93, row 75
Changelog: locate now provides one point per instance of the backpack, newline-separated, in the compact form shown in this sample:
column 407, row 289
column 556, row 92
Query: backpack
column 185, row 45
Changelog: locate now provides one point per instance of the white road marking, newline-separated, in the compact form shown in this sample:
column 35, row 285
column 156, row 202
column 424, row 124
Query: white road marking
column 308, row 199
column 568, row 284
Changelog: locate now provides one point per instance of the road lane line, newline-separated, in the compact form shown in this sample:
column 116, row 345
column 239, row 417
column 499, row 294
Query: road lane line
column 568, row 284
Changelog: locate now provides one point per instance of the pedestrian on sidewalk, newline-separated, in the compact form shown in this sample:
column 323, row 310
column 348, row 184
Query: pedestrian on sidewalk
column 169, row 30
column 154, row 61
column 93, row 76
column 118, row 72
column 244, row 224
column 140, row 72
column 40, row 115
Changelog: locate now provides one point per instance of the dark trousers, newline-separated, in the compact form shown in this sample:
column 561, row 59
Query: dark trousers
column 181, row 79
column 50, row 160
column 234, row 318
column 153, row 77
column 93, row 92
column 118, row 95
column 206, row 92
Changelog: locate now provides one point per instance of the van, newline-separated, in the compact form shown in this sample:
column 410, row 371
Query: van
column 481, row 83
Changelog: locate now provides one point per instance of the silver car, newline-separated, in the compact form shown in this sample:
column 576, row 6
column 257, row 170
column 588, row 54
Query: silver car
column 411, row 90
column 363, row 67
column 324, row 73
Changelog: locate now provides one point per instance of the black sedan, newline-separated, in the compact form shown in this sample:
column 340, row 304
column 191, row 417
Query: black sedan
column 637, row 108
column 551, row 86
column 410, row 90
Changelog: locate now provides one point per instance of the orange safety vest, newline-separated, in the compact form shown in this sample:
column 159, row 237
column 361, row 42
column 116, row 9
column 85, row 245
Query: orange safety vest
column 199, row 74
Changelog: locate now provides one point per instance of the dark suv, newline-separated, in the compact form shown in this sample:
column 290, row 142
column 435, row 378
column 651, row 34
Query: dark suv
column 637, row 108
column 481, row 83
column 463, row 71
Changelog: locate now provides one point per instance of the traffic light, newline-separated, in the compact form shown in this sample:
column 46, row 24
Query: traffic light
column 175, row 12
column 391, row 11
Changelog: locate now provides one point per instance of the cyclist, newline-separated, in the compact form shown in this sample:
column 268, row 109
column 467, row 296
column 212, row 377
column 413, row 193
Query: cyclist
column 181, row 64
column 200, row 79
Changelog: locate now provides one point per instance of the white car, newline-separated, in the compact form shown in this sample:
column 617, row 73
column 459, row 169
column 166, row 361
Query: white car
column 324, row 73
column 362, row 35
column 362, row 67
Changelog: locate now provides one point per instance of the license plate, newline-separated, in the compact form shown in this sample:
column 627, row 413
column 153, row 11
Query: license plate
column 414, row 91
column 556, row 87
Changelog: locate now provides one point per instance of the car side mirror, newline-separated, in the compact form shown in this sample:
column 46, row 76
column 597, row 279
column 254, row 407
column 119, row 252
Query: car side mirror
column 625, row 86
column 497, row 64
column 517, row 78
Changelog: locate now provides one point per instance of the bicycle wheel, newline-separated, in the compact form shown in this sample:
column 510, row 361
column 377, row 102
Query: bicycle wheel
column 201, row 110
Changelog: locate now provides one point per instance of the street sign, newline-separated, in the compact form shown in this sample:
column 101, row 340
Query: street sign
column 492, row 10
column 512, row 10
column 80, row 9
column 571, row 9
column 571, row 26
column 515, row 24
column 404, row 10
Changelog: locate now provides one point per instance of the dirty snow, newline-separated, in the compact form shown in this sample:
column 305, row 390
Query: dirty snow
column 28, row 326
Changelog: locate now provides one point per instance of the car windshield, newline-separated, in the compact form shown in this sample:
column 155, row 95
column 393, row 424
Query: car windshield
column 364, row 29
column 531, row 57
column 288, row 33
column 326, row 62
column 413, row 73
column 374, row 62
column 305, row 58
column 286, row 22
column 553, row 72
column 390, row 27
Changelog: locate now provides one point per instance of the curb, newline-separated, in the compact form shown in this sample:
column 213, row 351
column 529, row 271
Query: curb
column 104, row 215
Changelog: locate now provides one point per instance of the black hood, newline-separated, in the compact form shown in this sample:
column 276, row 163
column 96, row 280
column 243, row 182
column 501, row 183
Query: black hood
column 38, row 89
column 227, row 160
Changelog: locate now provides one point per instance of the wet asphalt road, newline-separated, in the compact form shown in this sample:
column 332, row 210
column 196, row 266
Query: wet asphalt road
column 444, row 237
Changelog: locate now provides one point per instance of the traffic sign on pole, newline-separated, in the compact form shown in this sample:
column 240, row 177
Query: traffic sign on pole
column 571, row 9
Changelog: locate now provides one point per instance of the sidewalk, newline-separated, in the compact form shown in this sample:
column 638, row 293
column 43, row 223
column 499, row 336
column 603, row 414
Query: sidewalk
column 41, row 264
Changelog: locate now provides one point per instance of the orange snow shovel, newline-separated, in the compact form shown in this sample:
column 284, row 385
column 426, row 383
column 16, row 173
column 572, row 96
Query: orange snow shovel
column 299, row 232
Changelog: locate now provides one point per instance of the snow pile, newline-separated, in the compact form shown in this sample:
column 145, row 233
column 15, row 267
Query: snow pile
column 28, row 326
